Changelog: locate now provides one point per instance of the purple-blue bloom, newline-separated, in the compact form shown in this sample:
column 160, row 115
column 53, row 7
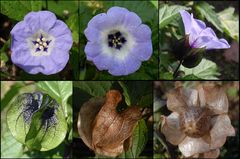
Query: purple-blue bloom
column 201, row 36
column 41, row 43
column 118, row 41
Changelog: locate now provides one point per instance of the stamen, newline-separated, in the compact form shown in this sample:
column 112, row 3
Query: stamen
column 41, row 44
column 116, row 40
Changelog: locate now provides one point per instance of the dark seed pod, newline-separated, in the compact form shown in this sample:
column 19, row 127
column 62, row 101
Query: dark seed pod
column 30, row 103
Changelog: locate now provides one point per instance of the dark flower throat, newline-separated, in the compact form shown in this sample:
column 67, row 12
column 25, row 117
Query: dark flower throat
column 116, row 40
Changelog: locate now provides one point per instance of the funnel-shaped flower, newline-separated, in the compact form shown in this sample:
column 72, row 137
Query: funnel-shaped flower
column 41, row 43
column 201, row 36
column 199, row 124
column 118, row 41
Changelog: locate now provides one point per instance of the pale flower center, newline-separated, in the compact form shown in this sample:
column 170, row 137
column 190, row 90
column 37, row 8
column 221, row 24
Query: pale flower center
column 195, row 121
column 41, row 43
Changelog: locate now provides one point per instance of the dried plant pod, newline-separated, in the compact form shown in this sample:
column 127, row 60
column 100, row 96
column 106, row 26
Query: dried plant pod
column 199, row 124
column 105, row 130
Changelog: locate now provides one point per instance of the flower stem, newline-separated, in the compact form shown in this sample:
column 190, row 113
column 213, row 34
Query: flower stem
column 176, row 71
column 163, row 141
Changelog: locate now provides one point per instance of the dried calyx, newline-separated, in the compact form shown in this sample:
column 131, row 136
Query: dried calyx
column 199, row 124
column 104, row 129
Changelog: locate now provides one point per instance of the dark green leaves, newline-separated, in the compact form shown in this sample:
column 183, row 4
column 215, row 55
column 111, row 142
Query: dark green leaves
column 37, row 121
column 137, row 93
column 18, row 9
column 205, row 70
column 95, row 89
column 139, row 141
column 208, row 12
column 168, row 13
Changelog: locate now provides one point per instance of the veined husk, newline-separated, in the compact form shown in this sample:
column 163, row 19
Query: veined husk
column 105, row 130
column 210, row 98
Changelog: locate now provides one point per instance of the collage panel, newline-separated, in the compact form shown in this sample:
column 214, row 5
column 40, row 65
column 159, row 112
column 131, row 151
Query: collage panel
column 36, row 119
column 79, row 79
column 196, row 119
column 199, row 40
column 39, row 40
column 119, row 40
column 112, row 119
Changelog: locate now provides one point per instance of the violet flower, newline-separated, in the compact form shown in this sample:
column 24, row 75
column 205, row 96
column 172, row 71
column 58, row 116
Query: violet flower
column 41, row 43
column 118, row 41
column 201, row 36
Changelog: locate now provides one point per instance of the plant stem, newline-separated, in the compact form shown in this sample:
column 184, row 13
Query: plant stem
column 163, row 141
column 176, row 71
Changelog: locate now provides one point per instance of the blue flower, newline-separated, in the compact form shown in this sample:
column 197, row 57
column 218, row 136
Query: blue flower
column 118, row 41
column 201, row 36
column 41, row 43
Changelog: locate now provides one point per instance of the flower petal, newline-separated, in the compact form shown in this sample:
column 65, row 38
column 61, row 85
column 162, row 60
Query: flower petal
column 20, row 31
column 117, row 68
column 124, row 17
column 92, row 34
column 32, row 21
column 191, row 25
column 143, row 51
column 142, row 33
column 103, row 61
column 47, row 20
column 214, row 98
column 132, row 64
column 59, row 29
column 191, row 146
column 208, row 39
column 217, row 44
column 100, row 22
column 179, row 98
column 92, row 49
column 59, row 57
column 221, row 129
column 171, row 128
column 64, row 42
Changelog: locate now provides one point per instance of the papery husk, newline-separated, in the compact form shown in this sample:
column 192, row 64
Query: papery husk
column 108, row 132
column 214, row 98
column 179, row 99
column 171, row 128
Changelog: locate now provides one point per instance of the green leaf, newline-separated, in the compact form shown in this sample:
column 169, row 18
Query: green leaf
column 139, row 140
column 149, row 16
column 72, row 23
column 168, row 13
column 37, row 121
column 136, row 93
column 230, row 22
column 95, row 89
column 190, row 77
column 14, row 90
column 155, row 3
column 62, row 7
column 18, row 9
column 207, row 11
column 205, row 70
column 59, row 90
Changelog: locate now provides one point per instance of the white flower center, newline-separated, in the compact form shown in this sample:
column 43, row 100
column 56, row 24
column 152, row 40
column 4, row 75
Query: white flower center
column 117, row 41
column 41, row 43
